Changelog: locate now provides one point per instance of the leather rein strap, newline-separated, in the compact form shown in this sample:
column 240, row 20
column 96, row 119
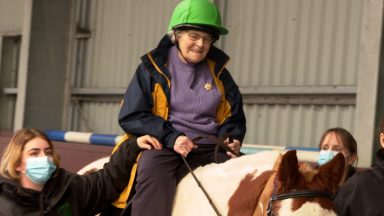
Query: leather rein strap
column 201, row 187
column 302, row 194
column 219, row 143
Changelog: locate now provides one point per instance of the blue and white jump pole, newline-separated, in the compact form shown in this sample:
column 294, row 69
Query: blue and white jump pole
column 304, row 153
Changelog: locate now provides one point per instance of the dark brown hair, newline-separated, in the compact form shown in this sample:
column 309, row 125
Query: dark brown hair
column 380, row 130
column 345, row 137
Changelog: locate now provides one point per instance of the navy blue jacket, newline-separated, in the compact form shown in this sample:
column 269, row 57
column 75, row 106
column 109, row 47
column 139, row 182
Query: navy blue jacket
column 146, row 102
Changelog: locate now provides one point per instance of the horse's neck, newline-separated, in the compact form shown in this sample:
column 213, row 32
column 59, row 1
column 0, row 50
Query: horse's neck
column 246, row 197
column 265, row 196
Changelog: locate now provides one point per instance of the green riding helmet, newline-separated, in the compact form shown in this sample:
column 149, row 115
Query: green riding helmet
column 197, row 14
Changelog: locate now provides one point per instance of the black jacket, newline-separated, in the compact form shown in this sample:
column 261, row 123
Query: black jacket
column 363, row 193
column 70, row 194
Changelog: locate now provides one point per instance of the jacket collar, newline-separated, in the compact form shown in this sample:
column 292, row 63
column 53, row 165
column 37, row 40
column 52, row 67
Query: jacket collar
column 56, row 187
column 53, row 190
column 13, row 190
column 379, row 164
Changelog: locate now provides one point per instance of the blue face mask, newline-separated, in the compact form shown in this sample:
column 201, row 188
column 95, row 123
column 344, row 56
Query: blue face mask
column 326, row 156
column 39, row 169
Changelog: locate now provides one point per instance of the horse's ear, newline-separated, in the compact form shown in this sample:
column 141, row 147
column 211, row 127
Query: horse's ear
column 288, row 170
column 332, row 172
column 277, row 162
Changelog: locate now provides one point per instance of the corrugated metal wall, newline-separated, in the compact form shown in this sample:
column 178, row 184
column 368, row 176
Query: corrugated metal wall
column 294, row 42
column 294, row 125
column 11, row 15
column 10, row 49
column 121, row 32
column 98, row 117
column 272, row 43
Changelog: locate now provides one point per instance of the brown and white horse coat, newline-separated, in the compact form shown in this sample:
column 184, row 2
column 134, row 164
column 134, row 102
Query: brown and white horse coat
column 253, row 195
column 220, row 181
column 244, row 186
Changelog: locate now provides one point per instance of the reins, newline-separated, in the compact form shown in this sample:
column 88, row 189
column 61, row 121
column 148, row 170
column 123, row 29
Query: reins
column 201, row 187
column 219, row 143
column 302, row 194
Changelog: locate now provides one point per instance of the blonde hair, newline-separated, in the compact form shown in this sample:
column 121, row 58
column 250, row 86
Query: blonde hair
column 13, row 152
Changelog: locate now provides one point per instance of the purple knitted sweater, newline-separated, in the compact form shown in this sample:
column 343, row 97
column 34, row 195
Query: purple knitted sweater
column 194, row 97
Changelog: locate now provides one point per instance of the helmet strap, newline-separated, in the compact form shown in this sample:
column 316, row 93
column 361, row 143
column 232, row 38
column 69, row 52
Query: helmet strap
column 178, row 47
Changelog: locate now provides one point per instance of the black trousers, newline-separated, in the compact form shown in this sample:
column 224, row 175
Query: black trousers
column 158, row 173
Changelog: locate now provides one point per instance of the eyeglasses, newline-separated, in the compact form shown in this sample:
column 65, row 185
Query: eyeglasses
column 193, row 36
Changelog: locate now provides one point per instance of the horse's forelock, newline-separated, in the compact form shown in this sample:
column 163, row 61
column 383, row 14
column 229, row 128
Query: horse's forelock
column 308, row 171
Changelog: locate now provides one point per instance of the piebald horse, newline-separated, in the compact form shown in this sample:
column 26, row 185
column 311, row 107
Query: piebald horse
column 260, row 184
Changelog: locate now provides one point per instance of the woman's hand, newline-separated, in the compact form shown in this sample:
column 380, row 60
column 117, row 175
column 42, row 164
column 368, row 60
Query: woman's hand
column 234, row 145
column 183, row 145
column 148, row 142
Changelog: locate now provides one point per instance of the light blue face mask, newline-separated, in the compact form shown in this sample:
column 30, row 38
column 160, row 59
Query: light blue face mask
column 326, row 156
column 39, row 169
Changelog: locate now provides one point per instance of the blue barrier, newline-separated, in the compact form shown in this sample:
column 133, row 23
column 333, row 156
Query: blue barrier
column 56, row 135
column 305, row 153
column 83, row 137
column 302, row 148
